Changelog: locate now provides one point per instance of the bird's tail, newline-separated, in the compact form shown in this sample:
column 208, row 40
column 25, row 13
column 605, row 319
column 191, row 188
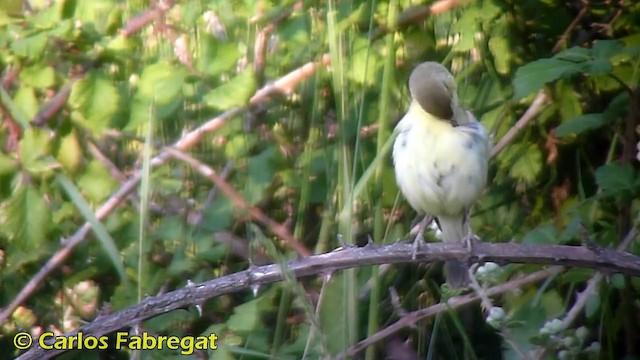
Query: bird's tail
column 454, row 229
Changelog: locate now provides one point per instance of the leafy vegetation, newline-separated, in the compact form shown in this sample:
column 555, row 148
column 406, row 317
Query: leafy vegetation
column 93, row 91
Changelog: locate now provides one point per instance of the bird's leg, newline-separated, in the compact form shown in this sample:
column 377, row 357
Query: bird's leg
column 419, row 240
column 469, row 237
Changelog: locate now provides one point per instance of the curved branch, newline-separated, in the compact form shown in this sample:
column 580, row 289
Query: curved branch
column 601, row 259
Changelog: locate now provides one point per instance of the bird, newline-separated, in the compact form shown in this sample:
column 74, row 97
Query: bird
column 440, row 158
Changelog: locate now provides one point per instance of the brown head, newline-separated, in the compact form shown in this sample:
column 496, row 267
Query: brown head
column 433, row 87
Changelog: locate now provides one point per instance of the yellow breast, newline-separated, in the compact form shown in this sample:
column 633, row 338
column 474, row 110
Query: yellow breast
column 440, row 169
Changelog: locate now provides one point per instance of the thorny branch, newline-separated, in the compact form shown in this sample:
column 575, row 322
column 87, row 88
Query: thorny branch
column 605, row 260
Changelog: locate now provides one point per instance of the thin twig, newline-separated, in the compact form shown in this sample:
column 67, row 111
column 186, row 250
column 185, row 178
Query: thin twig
column 569, row 29
column 529, row 115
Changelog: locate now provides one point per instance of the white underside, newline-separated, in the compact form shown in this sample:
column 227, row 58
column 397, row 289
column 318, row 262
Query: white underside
column 440, row 169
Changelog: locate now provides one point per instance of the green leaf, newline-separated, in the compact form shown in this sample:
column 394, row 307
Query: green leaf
column 295, row 34
column 571, row 229
column 235, row 92
column 161, row 83
column 7, row 164
column 606, row 49
column 575, row 54
column 26, row 217
column 16, row 113
column 534, row 75
column 261, row 173
column 216, row 56
column 568, row 100
column 363, row 65
column 525, row 162
column 11, row 7
column 618, row 281
column 247, row 317
column 615, row 178
column 542, row 235
column 96, row 99
column 70, row 152
column 600, row 67
column 499, row 47
column 593, row 304
column 580, row 124
column 38, row 76
column 31, row 47
column 26, row 101
column 467, row 26
column 553, row 304
column 144, row 110
column 34, row 148
column 96, row 226
column 96, row 183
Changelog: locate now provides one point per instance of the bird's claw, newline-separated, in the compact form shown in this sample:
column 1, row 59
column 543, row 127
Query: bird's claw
column 419, row 241
column 469, row 240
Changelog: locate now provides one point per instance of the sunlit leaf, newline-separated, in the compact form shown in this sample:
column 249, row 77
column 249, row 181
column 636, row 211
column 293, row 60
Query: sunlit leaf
column 14, row 109
column 499, row 47
column 7, row 164
column 26, row 100
column 96, row 183
column 31, row 46
column 235, row 92
column 34, row 147
column 525, row 162
column 216, row 56
column 363, row 65
column 96, row 99
column 161, row 83
column 568, row 100
column 38, row 76
column 26, row 217
column 467, row 27
column 70, row 152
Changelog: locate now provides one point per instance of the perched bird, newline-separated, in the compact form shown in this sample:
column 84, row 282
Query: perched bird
column 440, row 157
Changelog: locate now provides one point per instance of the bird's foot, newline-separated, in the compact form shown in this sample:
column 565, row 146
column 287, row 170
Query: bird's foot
column 469, row 240
column 419, row 240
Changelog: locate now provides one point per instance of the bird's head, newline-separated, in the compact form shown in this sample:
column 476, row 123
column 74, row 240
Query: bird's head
column 433, row 87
